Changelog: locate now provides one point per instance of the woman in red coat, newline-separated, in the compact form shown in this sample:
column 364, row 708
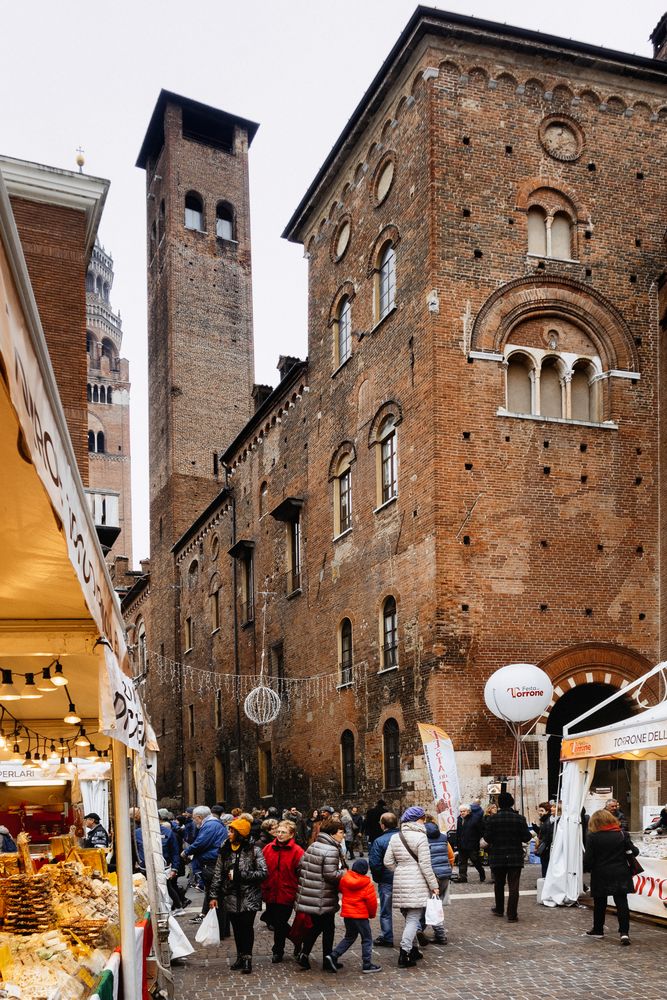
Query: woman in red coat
column 282, row 857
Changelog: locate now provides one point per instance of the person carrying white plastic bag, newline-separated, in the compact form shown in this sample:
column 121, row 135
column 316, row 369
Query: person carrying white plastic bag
column 208, row 932
column 434, row 915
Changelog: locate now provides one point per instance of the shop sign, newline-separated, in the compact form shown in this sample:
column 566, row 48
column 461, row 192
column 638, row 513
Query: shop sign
column 650, row 895
column 631, row 740
column 441, row 764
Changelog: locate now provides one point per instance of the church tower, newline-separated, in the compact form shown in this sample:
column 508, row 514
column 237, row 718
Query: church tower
column 200, row 342
column 108, row 393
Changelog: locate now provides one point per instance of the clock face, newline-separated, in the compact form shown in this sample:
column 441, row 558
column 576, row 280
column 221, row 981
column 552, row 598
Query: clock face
column 561, row 139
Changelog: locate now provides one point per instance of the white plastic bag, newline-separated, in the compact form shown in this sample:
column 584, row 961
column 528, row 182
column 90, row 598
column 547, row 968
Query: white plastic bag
column 179, row 946
column 434, row 914
column 209, row 930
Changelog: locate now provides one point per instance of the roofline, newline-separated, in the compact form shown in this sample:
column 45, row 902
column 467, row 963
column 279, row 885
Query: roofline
column 134, row 591
column 292, row 376
column 224, row 493
column 427, row 20
column 169, row 97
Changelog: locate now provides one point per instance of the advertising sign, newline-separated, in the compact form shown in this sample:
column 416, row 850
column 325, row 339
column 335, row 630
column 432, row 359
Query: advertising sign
column 441, row 764
column 627, row 740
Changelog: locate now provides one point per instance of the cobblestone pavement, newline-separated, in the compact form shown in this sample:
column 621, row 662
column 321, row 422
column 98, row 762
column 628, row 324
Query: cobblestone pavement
column 542, row 957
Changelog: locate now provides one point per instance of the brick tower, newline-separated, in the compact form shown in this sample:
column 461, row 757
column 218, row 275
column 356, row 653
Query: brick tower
column 108, row 393
column 200, row 344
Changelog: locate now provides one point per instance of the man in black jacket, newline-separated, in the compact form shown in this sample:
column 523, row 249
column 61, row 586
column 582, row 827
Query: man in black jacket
column 506, row 832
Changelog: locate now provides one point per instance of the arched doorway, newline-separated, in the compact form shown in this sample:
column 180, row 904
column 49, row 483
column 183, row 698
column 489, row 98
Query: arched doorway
column 615, row 774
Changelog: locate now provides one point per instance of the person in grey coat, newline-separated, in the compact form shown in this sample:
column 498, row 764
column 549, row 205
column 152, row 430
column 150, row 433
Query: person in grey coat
column 320, row 870
column 239, row 871
column 409, row 858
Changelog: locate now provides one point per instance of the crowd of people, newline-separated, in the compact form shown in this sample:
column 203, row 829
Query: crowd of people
column 298, row 871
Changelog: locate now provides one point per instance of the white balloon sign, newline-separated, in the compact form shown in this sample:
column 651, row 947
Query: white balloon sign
column 518, row 692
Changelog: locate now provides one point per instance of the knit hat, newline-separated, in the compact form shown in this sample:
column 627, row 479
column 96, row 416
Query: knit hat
column 505, row 800
column 327, row 809
column 163, row 813
column 242, row 827
column 360, row 866
column 412, row 813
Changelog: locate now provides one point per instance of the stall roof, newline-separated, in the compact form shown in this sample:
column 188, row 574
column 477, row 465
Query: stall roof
column 641, row 737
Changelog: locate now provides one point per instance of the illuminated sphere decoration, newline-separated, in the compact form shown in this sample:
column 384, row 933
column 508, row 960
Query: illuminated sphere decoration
column 262, row 705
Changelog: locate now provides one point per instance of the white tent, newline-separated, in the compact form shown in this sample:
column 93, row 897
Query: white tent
column 641, row 737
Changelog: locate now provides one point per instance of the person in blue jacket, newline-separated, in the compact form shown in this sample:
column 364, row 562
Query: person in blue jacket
column 384, row 877
column 172, row 860
column 438, row 847
column 211, row 833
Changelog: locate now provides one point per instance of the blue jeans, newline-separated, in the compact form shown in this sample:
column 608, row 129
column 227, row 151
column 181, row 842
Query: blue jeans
column 355, row 926
column 386, row 925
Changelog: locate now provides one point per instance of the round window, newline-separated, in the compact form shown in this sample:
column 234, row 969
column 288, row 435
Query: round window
column 384, row 180
column 215, row 547
column 341, row 239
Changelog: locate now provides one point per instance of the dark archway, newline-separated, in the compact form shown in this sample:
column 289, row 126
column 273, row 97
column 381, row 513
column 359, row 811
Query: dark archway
column 574, row 703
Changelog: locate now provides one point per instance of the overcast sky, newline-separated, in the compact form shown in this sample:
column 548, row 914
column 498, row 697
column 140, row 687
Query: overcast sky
column 75, row 74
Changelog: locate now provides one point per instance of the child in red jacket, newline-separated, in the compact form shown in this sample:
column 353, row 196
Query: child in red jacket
column 359, row 905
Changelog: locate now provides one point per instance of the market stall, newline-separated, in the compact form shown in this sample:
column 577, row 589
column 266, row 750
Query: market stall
column 641, row 737
column 65, row 678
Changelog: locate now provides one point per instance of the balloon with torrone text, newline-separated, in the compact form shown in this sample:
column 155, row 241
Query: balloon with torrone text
column 518, row 692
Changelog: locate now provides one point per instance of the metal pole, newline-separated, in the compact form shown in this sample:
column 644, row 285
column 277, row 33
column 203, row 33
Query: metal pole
column 519, row 747
column 123, row 844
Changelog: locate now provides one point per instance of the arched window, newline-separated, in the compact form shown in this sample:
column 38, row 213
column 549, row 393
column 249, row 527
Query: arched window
column 96, row 394
column 107, row 349
column 561, row 236
column 582, row 392
column 89, row 393
column 224, row 221
column 194, row 212
column 386, row 281
column 99, row 285
column 91, row 440
column 388, row 468
column 343, row 495
column 153, row 237
column 391, row 748
column 90, row 281
column 89, row 343
column 343, row 332
column 109, row 395
column 100, row 442
column 345, row 651
column 142, row 648
column 537, row 231
column 551, row 391
column 214, row 602
column 389, row 634
column 519, row 389
column 349, row 782
column 193, row 572
column 263, row 494
column 161, row 223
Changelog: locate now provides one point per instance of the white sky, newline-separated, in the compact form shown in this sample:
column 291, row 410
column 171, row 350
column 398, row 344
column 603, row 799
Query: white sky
column 75, row 74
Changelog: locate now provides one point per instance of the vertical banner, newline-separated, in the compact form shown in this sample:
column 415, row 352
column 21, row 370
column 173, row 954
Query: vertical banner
column 441, row 764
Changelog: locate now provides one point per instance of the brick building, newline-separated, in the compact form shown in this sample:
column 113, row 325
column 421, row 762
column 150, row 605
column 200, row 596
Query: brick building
column 57, row 214
column 108, row 395
column 466, row 472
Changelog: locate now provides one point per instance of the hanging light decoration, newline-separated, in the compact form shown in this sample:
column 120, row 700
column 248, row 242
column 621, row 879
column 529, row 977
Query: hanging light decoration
column 28, row 757
column 7, row 690
column 29, row 689
column 3, row 741
column 63, row 771
column 72, row 719
column 45, row 683
column 262, row 704
column 59, row 678
column 82, row 740
column 16, row 755
column 93, row 753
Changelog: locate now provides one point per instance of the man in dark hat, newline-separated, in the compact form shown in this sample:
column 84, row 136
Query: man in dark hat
column 96, row 836
column 506, row 832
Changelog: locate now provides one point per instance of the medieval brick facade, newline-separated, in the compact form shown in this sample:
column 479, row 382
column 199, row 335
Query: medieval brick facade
column 467, row 470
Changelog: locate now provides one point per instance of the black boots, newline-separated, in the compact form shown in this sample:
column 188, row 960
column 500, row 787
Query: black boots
column 416, row 954
column 405, row 959
column 246, row 964
column 238, row 964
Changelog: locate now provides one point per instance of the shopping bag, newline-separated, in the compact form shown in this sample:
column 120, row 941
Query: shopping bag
column 179, row 946
column 209, row 931
column 434, row 914
column 301, row 924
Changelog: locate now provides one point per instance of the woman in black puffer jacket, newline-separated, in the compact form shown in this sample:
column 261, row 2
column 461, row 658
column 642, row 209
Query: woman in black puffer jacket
column 320, row 870
column 239, row 871
column 608, row 853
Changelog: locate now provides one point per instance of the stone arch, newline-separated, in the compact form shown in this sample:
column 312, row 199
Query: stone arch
column 359, row 173
column 478, row 76
column 643, row 109
column 417, row 88
column 616, row 106
column 524, row 297
column 506, row 81
column 537, row 190
column 449, row 68
column 534, row 88
column 346, row 290
column 389, row 234
column 401, row 107
column 345, row 448
column 387, row 129
column 562, row 94
column 590, row 97
column 389, row 409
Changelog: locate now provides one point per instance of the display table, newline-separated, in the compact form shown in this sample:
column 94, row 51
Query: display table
column 650, row 895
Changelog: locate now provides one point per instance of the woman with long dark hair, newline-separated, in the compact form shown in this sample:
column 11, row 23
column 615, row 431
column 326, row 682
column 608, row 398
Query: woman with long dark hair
column 608, row 857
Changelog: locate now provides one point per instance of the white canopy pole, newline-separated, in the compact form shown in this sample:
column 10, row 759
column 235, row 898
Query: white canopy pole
column 658, row 668
column 123, row 845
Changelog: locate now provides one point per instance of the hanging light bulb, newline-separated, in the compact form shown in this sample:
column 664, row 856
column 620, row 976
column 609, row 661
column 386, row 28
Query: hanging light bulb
column 28, row 757
column 29, row 689
column 16, row 755
column 82, row 740
column 93, row 753
column 53, row 755
column 72, row 719
column 63, row 771
column 44, row 683
column 7, row 690
column 3, row 741
column 59, row 678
